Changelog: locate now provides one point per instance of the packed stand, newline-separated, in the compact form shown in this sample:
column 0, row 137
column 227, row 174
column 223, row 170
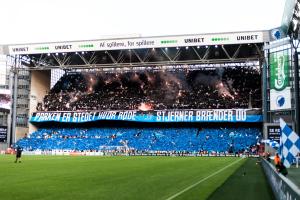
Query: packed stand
column 203, row 88
column 226, row 140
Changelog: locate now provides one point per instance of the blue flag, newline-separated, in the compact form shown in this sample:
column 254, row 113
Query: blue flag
column 289, row 144
column 271, row 143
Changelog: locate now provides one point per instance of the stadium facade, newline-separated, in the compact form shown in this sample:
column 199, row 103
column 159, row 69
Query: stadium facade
column 160, row 53
column 203, row 93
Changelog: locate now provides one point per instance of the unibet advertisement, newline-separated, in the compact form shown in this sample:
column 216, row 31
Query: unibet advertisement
column 280, row 90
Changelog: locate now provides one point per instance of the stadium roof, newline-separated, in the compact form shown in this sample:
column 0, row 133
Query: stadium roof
column 291, row 18
column 238, row 47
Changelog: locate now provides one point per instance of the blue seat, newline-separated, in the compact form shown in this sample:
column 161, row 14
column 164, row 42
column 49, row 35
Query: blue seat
column 143, row 139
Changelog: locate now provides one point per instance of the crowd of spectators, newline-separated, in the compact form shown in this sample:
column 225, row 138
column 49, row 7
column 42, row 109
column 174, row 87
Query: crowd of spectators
column 203, row 88
column 226, row 140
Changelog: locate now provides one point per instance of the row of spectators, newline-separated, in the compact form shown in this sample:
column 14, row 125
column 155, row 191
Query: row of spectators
column 203, row 88
column 226, row 140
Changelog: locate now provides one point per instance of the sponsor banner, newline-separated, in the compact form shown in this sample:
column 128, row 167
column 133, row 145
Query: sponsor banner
column 217, row 115
column 138, row 43
column 3, row 133
column 280, row 90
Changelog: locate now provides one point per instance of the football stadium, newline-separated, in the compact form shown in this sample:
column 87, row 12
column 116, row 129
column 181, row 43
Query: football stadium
column 195, row 116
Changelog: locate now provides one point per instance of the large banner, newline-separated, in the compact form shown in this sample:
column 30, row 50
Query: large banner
column 217, row 115
column 280, row 90
column 139, row 43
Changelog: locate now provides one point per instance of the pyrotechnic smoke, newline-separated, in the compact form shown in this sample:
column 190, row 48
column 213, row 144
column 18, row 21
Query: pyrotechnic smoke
column 145, row 106
column 215, row 82
column 223, row 90
column 173, row 83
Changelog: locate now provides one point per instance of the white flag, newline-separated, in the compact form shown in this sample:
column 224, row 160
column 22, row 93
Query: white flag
column 289, row 144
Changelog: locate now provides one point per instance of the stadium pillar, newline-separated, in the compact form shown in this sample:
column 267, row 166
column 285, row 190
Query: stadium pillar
column 9, row 117
column 296, row 78
column 264, row 89
column 14, row 107
column 295, row 44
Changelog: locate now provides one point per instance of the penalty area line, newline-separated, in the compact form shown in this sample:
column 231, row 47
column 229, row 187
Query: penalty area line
column 202, row 180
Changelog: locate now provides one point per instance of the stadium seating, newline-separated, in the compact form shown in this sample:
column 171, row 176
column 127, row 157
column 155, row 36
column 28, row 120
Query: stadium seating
column 143, row 139
column 203, row 88
column 182, row 88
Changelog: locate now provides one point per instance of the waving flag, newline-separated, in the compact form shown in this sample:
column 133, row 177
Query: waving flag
column 271, row 143
column 289, row 144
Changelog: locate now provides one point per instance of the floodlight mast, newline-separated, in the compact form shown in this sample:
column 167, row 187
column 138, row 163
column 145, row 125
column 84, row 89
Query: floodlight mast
column 295, row 45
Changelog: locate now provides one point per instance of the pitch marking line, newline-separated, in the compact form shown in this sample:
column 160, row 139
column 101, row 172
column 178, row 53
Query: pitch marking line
column 202, row 180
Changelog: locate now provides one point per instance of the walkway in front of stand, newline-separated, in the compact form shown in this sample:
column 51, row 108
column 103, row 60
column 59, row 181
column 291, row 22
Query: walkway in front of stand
column 247, row 183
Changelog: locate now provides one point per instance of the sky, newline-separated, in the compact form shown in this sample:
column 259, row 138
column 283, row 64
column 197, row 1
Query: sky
column 37, row 21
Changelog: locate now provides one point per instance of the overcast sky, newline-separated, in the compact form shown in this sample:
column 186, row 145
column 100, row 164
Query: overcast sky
column 31, row 21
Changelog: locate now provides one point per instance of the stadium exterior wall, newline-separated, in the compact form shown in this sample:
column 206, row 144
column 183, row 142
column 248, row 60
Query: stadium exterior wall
column 20, row 132
column 3, row 146
column 40, row 86
column 282, row 187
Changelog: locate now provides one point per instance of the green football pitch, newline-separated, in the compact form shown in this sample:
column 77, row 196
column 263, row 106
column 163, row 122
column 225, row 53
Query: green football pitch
column 130, row 178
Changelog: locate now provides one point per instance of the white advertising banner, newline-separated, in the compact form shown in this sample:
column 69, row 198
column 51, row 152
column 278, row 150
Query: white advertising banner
column 139, row 43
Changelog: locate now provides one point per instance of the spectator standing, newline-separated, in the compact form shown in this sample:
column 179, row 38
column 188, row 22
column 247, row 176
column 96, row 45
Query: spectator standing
column 18, row 154
column 277, row 161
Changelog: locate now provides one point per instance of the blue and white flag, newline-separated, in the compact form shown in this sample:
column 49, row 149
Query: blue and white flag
column 271, row 143
column 289, row 144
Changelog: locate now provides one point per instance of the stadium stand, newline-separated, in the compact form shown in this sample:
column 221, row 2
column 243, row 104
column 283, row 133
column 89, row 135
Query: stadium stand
column 212, row 140
column 173, row 88
column 202, row 88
